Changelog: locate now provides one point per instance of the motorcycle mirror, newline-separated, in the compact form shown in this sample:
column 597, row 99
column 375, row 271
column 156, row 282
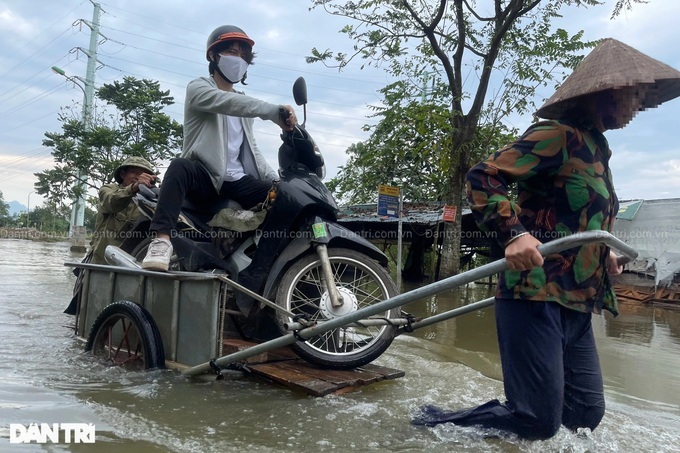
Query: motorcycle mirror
column 300, row 91
column 300, row 96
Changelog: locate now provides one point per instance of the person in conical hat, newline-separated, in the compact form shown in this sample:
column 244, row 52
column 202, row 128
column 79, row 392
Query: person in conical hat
column 621, row 79
column 551, row 372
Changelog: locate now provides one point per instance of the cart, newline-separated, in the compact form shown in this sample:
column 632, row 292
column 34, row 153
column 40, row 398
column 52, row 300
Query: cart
column 142, row 319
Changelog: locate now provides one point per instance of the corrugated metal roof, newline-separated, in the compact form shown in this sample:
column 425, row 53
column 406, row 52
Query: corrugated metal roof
column 650, row 226
column 654, row 231
column 418, row 213
column 628, row 209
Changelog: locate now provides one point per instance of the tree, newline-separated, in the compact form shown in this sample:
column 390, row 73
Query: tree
column 50, row 217
column 4, row 211
column 469, row 47
column 136, row 127
column 625, row 5
column 411, row 154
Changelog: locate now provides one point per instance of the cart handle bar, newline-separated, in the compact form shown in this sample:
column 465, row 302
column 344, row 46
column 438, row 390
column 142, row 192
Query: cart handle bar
column 556, row 246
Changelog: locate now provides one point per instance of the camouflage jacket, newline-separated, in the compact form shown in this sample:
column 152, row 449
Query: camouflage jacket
column 116, row 213
column 564, row 186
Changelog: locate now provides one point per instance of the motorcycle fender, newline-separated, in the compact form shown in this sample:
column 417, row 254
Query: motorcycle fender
column 338, row 236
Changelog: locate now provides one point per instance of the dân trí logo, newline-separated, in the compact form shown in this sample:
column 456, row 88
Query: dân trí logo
column 77, row 433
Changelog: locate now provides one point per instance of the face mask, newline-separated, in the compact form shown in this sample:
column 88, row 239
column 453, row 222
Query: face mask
column 233, row 68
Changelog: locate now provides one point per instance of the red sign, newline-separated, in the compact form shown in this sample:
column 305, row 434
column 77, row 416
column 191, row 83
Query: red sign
column 449, row 213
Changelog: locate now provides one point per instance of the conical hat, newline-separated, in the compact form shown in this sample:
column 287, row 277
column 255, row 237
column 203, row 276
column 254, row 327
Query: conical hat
column 613, row 64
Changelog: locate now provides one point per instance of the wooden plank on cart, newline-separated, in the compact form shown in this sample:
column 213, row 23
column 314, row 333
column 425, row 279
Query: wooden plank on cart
column 284, row 367
column 315, row 381
column 293, row 378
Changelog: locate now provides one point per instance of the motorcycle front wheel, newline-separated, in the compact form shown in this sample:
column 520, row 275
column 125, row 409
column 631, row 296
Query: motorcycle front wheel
column 361, row 282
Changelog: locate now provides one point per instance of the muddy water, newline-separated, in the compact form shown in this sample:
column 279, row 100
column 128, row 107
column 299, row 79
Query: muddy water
column 45, row 378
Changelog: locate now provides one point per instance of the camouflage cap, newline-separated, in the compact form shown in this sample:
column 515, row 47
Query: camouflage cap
column 134, row 161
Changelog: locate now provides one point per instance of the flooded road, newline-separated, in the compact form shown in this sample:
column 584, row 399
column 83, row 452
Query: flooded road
column 46, row 378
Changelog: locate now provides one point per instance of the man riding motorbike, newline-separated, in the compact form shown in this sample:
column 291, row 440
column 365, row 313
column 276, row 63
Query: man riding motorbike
column 220, row 158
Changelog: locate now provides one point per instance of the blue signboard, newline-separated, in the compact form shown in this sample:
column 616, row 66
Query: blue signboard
column 388, row 201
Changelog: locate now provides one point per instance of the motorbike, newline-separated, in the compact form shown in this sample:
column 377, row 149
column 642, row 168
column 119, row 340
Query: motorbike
column 317, row 269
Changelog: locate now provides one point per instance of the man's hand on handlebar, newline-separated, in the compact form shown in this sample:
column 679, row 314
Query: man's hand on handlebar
column 144, row 179
column 287, row 118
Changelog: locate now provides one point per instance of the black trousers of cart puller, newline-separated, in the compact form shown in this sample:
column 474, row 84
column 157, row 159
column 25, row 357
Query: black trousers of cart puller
column 551, row 374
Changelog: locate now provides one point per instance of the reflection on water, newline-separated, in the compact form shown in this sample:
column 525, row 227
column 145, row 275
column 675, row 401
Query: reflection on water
column 470, row 339
column 639, row 349
column 46, row 378
column 640, row 358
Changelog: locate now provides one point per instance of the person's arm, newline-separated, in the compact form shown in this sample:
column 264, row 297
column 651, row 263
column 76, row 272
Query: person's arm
column 114, row 198
column 538, row 152
column 205, row 97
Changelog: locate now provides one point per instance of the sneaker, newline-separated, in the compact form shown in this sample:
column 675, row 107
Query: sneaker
column 158, row 256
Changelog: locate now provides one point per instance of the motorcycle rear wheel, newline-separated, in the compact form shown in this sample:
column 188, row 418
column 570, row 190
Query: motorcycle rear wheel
column 362, row 282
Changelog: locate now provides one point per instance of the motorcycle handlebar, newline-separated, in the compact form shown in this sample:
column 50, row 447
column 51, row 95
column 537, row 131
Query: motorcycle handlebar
column 284, row 114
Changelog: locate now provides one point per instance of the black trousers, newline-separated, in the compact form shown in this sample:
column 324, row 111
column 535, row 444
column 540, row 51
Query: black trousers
column 551, row 374
column 189, row 178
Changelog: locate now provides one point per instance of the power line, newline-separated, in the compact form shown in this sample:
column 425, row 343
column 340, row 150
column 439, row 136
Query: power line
column 131, row 62
column 22, row 62
column 39, row 36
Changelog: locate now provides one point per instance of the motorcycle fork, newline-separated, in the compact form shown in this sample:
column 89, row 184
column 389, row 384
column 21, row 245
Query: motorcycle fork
column 321, row 239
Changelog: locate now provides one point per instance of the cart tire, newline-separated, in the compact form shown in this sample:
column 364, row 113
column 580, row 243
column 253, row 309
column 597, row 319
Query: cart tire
column 125, row 334
column 362, row 282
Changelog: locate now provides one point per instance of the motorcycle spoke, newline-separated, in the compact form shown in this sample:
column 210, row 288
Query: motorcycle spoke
column 305, row 298
column 360, row 287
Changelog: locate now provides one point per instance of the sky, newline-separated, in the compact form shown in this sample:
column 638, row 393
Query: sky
column 164, row 40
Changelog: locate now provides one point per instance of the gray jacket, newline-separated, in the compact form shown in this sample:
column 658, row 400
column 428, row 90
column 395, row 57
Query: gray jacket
column 205, row 129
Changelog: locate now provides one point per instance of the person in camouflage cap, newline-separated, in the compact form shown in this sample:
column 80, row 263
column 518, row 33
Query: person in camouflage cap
column 551, row 371
column 116, row 211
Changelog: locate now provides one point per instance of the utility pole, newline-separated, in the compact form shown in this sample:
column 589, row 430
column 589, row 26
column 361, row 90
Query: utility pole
column 78, row 231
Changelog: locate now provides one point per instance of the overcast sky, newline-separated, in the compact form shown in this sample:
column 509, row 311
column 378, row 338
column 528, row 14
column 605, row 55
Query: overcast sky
column 164, row 40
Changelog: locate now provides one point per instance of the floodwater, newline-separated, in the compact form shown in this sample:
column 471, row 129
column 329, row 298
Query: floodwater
column 46, row 378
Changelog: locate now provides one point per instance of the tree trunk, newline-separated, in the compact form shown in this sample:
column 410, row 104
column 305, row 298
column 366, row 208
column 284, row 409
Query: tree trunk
column 465, row 131
column 450, row 262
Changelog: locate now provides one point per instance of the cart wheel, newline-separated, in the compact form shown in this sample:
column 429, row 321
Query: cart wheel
column 361, row 282
column 125, row 334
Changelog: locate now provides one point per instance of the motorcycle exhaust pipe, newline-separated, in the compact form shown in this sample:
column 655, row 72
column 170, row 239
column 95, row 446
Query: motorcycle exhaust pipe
column 117, row 257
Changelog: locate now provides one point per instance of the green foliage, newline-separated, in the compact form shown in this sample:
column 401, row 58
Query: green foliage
column 407, row 148
column 464, row 47
column 4, row 207
column 624, row 5
column 136, row 127
column 50, row 217
column 5, row 218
